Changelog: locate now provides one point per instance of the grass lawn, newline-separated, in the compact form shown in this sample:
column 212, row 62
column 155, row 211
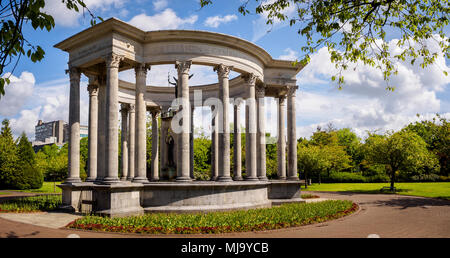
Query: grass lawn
column 1, row 193
column 436, row 190
column 47, row 187
column 287, row 215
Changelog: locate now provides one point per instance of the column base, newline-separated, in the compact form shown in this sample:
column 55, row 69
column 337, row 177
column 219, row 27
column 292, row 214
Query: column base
column 224, row 179
column 293, row 178
column 130, row 178
column 281, row 178
column 111, row 180
column 154, row 179
column 238, row 178
column 141, row 180
column 183, row 179
column 251, row 179
column 263, row 178
column 73, row 180
column 90, row 179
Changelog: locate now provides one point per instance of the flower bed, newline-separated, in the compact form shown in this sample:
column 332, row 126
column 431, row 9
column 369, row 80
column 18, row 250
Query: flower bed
column 287, row 215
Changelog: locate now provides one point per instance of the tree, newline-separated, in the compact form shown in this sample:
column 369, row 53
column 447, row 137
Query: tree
column 352, row 144
column 436, row 134
column 26, row 152
column 311, row 160
column 355, row 31
column 8, row 157
column 401, row 151
column 15, row 15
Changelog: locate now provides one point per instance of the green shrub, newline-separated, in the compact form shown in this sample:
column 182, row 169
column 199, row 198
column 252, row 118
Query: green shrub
column 347, row 177
column 426, row 178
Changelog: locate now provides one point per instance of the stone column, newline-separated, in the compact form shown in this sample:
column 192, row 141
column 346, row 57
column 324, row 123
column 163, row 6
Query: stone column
column 140, row 175
column 281, row 150
column 292, row 138
column 131, row 142
column 261, row 135
column 155, row 145
column 224, row 125
column 101, row 146
column 112, row 106
column 250, row 130
column 191, row 144
column 237, row 158
column 183, row 171
column 93, row 129
column 124, row 139
column 74, row 126
column 214, row 146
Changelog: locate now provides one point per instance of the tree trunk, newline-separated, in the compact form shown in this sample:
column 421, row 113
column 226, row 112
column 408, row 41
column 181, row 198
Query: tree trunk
column 392, row 179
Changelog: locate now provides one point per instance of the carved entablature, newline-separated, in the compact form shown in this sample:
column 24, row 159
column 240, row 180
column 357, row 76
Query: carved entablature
column 183, row 67
column 223, row 71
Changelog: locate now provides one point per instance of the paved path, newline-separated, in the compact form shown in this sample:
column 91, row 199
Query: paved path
column 381, row 214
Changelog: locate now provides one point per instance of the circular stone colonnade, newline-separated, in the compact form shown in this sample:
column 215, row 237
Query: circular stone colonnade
column 104, row 50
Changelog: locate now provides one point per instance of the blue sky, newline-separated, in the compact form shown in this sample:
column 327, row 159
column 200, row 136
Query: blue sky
column 40, row 90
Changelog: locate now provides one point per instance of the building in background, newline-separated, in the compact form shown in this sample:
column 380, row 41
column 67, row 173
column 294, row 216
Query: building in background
column 54, row 132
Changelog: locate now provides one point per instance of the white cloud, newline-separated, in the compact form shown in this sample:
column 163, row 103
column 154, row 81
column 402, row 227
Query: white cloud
column 70, row 18
column 160, row 4
column 291, row 55
column 215, row 21
column 25, row 122
column 16, row 93
column 165, row 20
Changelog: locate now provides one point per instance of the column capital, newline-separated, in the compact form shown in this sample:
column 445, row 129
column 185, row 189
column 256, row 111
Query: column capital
column 282, row 100
column 249, row 78
column 260, row 91
column 93, row 89
column 183, row 67
column 124, row 107
column 131, row 108
column 291, row 90
column 112, row 60
column 223, row 70
column 141, row 69
column 155, row 112
column 74, row 72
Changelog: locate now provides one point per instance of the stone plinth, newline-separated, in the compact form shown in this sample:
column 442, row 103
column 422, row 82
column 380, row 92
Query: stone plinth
column 117, row 200
column 204, row 196
column 127, row 199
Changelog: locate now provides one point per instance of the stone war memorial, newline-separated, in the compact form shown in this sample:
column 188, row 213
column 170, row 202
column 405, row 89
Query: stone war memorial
column 104, row 50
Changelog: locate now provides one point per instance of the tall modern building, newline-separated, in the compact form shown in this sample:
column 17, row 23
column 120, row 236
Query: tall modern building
column 55, row 132
column 51, row 132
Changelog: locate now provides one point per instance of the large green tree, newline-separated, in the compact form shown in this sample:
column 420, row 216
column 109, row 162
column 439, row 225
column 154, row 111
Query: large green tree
column 401, row 151
column 17, row 14
column 356, row 31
